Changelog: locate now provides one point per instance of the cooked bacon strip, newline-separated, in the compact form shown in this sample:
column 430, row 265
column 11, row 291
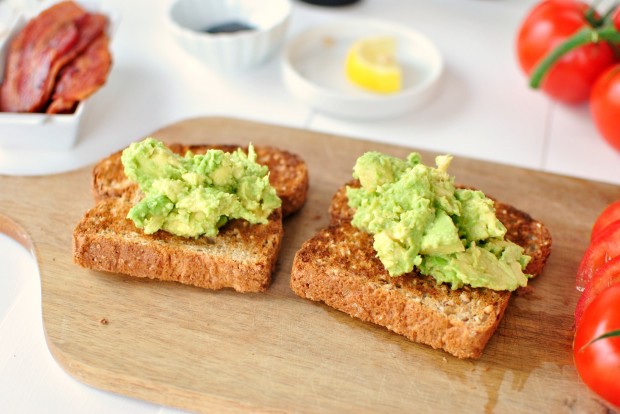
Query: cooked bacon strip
column 82, row 77
column 90, row 27
column 37, row 54
column 61, row 106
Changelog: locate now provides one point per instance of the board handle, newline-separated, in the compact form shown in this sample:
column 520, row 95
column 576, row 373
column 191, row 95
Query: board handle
column 16, row 232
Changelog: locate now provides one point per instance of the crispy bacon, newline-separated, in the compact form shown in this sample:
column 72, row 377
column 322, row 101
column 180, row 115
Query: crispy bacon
column 37, row 54
column 82, row 77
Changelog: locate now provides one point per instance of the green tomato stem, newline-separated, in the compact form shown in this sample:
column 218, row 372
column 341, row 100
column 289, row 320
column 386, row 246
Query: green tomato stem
column 611, row 334
column 590, row 15
column 583, row 37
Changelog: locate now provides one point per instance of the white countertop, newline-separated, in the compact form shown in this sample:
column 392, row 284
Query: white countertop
column 483, row 110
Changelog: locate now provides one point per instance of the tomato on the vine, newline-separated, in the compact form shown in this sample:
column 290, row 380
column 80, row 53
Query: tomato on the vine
column 610, row 214
column 601, row 250
column 598, row 362
column 548, row 25
column 605, row 276
column 605, row 105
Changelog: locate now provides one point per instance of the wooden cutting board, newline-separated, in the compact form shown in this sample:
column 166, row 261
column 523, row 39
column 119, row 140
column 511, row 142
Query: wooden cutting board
column 223, row 351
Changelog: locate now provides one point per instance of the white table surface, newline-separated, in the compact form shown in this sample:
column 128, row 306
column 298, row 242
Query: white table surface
column 483, row 110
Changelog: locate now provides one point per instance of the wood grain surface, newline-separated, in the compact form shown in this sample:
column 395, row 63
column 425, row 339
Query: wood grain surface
column 223, row 351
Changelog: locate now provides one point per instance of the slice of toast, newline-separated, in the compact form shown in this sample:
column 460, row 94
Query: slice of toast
column 288, row 174
column 339, row 266
column 242, row 256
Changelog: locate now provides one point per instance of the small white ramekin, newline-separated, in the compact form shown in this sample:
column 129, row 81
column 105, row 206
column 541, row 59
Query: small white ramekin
column 189, row 19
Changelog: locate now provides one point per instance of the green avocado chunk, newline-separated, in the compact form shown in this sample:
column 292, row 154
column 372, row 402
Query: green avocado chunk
column 418, row 218
column 195, row 195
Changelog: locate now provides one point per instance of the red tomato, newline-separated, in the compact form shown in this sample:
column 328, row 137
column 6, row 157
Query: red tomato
column 598, row 364
column 547, row 25
column 605, row 276
column 602, row 249
column 605, row 106
column 610, row 214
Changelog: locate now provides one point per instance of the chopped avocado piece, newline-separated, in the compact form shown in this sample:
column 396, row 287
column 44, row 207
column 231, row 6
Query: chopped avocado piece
column 150, row 160
column 477, row 220
column 495, row 267
column 374, row 169
column 195, row 195
column 441, row 236
column 419, row 219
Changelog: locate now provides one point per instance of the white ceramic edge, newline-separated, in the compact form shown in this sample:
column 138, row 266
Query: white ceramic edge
column 237, row 51
column 286, row 13
column 369, row 106
column 40, row 130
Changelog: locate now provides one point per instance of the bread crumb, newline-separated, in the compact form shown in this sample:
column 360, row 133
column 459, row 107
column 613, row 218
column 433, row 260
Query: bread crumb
column 328, row 41
column 444, row 359
column 103, row 321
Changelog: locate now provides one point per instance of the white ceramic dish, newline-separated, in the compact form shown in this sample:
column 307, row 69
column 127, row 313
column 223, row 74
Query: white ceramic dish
column 313, row 70
column 39, row 131
column 188, row 21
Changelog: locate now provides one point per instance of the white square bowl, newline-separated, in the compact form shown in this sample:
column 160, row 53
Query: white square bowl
column 40, row 130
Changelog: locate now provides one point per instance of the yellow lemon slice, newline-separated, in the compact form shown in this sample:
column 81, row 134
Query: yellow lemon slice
column 371, row 64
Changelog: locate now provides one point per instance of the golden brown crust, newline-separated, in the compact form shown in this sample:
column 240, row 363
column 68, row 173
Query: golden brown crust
column 242, row 256
column 339, row 267
column 528, row 233
column 288, row 174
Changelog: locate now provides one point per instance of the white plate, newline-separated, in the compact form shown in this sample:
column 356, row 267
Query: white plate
column 313, row 69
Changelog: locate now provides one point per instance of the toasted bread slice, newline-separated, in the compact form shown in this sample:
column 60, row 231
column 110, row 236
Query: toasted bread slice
column 339, row 266
column 242, row 256
column 288, row 174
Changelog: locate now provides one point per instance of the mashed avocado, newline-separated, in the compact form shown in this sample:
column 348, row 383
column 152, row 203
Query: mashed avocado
column 420, row 219
column 195, row 195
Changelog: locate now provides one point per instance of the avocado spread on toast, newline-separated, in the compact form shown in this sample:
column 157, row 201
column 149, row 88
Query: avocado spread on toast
column 418, row 218
column 195, row 195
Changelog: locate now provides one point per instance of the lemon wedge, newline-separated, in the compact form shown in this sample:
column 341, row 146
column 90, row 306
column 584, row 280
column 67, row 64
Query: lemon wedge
column 371, row 64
